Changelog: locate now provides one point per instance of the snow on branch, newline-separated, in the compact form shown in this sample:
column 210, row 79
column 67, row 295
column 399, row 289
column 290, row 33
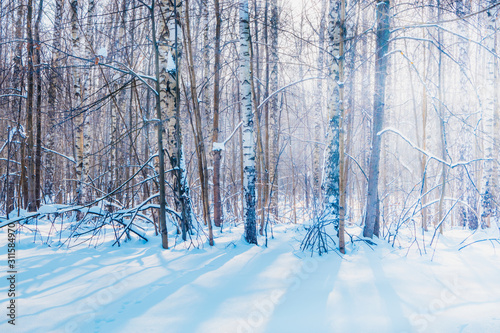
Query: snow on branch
column 284, row 87
column 428, row 154
column 218, row 146
column 69, row 158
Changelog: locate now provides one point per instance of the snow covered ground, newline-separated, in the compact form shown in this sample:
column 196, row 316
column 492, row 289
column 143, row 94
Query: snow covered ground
column 234, row 287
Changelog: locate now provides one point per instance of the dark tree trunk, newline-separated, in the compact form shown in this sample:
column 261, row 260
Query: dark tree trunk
column 38, row 154
column 30, row 196
column 382, row 46
column 215, row 137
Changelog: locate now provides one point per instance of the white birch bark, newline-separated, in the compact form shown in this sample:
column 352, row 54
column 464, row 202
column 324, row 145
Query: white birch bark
column 488, row 182
column 496, row 97
column 335, row 104
column 442, row 122
column 169, row 48
column 113, row 113
column 318, row 114
column 169, row 51
column 466, row 150
column 248, row 127
column 77, row 99
column 87, row 91
column 206, row 73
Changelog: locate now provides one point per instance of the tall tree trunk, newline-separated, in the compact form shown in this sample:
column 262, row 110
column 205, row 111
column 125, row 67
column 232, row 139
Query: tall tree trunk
column 169, row 95
column 265, row 140
column 248, row 127
column 119, row 102
column 206, row 72
column 335, row 110
column 160, row 50
column 77, row 99
column 423, row 160
column 488, row 180
column 382, row 46
column 463, row 8
column 275, row 112
column 218, row 218
column 30, row 199
column 199, row 140
column 88, row 91
column 132, row 116
column 342, row 162
column 259, row 158
column 496, row 104
column 442, row 121
column 113, row 109
column 38, row 153
column 292, row 165
column 318, row 114
column 17, row 84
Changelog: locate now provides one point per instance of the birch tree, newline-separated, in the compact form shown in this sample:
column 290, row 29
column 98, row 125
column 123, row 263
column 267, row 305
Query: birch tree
column 488, row 182
column 442, row 121
column 77, row 99
column 316, row 165
column 161, row 51
column 87, row 91
column 248, row 127
column 333, row 156
column 463, row 8
column 206, row 65
column 169, row 48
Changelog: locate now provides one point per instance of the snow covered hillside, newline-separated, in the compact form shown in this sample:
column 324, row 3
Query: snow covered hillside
column 234, row 287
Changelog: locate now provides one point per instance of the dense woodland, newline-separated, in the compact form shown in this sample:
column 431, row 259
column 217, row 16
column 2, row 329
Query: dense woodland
column 192, row 115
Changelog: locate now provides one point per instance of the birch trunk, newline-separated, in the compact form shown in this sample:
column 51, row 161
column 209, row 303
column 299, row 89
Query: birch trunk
column 169, row 49
column 87, row 91
column 423, row 160
column 496, row 103
column 77, row 99
column 113, row 111
column 160, row 51
column 493, row 27
column 342, row 162
column 488, row 181
column 463, row 8
column 331, row 183
column 206, row 71
column 442, row 123
column 248, row 127
column 318, row 115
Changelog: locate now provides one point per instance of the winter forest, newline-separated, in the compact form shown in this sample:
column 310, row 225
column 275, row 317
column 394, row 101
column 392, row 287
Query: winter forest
column 250, row 166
